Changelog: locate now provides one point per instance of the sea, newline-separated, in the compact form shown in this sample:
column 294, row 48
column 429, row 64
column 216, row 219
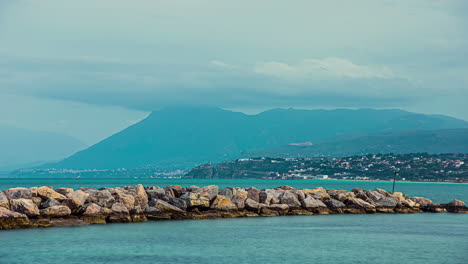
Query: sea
column 379, row 238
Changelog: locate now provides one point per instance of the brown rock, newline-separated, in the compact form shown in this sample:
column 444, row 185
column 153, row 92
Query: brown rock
column 47, row 192
column 200, row 200
column 18, row 193
column 10, row 219
column 56, row 211
column 253, row 194
column 223, row 203
column 4, row 201
column 24, row 206
column 64, row 191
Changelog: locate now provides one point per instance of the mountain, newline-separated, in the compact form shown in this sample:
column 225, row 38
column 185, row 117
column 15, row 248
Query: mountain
column 21, row 148
column 183, row 137
column 394, row 141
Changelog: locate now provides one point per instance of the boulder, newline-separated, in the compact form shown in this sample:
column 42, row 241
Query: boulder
column 223, row 203
column 47, row 192
column 290, row 199
column 386, row 202
column 211, row 190
column 228, row 192
column 383, row 192
column 64, row 191
column 49, row 203
column 36, row 200
column 156, row 193
column 10, row 219
column 91, row 209
column 170, row 209
column 299, row 194
column 125, row 199
column 153, row 213
column 408, row 203
column 119, row 214
column 102, row 198
column 138, row 215
column 24, row 206
column 200, row 200
column 139, row 194
column 253, row 205
column 344, row 196
column 334, row 204
column 56, row 211
column 253, row 194
column 311, row 202
column 269, row 196
column 18, row 193
column 354, row 202
column 421, row 202
column 93, row 214
column 456, row 203
column 4, row 200
column 282, row 209
column 374, row 195
column 177, row 202
column 76, row 200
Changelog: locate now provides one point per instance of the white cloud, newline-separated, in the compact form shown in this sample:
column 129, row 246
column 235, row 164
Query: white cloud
column 220, row 64
column 322, row 69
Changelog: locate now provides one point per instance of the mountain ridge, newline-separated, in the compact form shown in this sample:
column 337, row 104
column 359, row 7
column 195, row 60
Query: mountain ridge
column 190, row 135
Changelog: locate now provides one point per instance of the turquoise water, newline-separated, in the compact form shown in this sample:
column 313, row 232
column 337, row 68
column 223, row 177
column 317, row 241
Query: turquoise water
column 438, row 192
column 412, row 238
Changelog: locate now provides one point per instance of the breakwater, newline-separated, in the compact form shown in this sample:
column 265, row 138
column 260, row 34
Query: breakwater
column 45, row 207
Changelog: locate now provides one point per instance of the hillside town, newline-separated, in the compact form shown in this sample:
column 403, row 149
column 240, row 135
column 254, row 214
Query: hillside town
column 409, row 167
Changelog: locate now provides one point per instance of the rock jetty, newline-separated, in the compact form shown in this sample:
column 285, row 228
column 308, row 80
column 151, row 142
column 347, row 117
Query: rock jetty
column 46, row 207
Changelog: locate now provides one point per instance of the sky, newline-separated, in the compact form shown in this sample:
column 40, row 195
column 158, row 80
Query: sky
column 68, row 66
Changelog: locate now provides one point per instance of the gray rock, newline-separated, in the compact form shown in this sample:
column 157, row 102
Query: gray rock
column 102, row 198
column 228, row 192
column 18, row 193
column 334, row 204
column 269, row 196
column 456, row 203
column 290, row 199
column 211, row 190
column 49, row 203
column 387, row 202
column 311, row 202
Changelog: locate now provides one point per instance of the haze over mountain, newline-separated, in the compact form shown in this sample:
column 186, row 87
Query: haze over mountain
column 183, row 137
column 26, row 148
column 394, row 141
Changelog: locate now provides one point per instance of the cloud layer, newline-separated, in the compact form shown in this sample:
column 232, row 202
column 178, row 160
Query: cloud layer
column 239, row 54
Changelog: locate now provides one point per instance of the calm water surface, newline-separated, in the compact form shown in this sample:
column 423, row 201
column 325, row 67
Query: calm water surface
column 413, row 238
column 417, row 238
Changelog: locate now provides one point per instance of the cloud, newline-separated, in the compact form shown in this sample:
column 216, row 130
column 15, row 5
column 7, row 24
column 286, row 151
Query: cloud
column 323, row 69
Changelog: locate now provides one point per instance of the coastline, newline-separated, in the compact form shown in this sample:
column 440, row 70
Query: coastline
column 46, row 207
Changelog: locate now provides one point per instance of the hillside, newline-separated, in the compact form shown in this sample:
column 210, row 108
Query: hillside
column 24, row 148
column 184, row 137
column 394, row 141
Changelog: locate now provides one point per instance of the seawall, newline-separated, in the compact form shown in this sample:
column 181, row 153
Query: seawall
column 46, row 207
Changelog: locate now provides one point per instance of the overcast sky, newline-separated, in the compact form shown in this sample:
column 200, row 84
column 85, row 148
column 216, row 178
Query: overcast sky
column 120, row 59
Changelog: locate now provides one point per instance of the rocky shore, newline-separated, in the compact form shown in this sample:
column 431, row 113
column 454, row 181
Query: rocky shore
column 46, row 207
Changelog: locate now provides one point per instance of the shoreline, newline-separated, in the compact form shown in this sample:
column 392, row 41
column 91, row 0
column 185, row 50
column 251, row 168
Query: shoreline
column 46, row 207
column 224, row 179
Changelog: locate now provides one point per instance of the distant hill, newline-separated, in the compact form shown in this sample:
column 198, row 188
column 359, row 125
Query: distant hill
column 21, row 148
column 395, row 141
column 184, row 137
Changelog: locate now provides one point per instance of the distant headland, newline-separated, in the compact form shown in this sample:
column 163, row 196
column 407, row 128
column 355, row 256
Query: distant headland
column 46, row 207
